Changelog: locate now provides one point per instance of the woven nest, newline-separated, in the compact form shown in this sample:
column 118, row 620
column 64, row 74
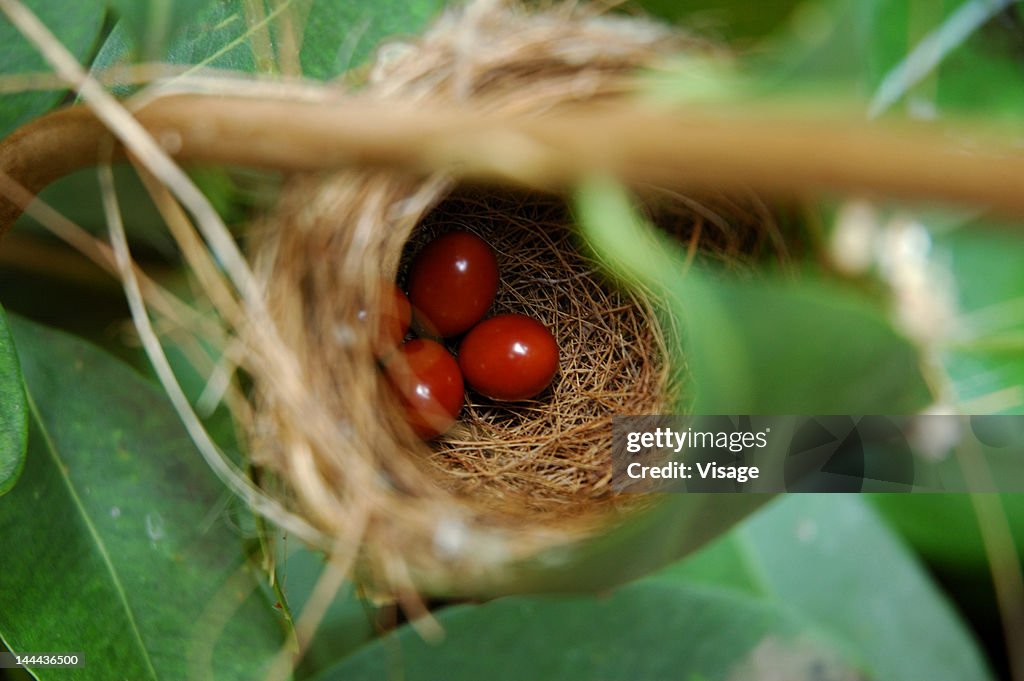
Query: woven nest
column 506, row 481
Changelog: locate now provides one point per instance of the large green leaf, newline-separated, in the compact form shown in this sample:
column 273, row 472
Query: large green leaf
column 76, row 24
column 13, row 416
column 944, row 527
column 934, row 66
column 646, row 630
column 921, row 53
column 336, row 36
column 731, row 20
column 830, row 562
column 214, row 37
column 918, row 57
column 152, row 23
column 77, row 197
column 809, row 348
column 117, row 545
column 987, row 264
column 348, row 622
column 946, row 531
column 341, row 35
column 762, row 346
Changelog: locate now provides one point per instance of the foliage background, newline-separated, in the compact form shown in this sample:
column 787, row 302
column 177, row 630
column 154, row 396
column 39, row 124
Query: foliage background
column 120, row 544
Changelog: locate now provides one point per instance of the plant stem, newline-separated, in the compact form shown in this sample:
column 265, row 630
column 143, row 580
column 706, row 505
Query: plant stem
column 639, row 144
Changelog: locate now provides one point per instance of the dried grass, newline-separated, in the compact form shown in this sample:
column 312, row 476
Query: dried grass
column 506, row 481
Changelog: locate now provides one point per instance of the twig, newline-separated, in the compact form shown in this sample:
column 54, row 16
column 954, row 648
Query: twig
column 636, row 143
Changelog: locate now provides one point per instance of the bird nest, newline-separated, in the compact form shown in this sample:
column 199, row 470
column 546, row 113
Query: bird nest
column 508, row 480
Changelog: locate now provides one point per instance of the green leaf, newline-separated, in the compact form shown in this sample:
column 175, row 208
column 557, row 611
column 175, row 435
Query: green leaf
column 215, row 37
column 948, row 58
column 922, row 54
column 764, row 346
column 646, row 630
column 944, row 529
column 13, row 415
column 986, row 260
column 731, row 20
column 76, row 24
column 348, row 623
column 811, row 347
column 342, row 35
column 152, row 23
column 335, row 36
column 632, row 546
column 830, row 562
column 119, row 548
column 77, row 197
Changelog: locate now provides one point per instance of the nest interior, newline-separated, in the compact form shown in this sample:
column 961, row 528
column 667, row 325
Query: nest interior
column 547, row 458
column 507, row 480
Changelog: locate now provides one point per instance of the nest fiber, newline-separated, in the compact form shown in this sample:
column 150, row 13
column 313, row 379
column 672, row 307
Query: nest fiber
column 507, row 481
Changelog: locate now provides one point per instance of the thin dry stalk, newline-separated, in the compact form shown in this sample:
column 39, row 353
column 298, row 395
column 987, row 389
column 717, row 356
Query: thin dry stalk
column 169, row 306
column 142, row 145
column 224, row 469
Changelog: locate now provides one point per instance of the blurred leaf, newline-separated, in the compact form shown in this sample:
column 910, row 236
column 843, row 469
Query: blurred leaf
column 961, row 46
column 731, row 20
column 632, row 546
column 217, row 37
column 989, row 379
column 117, row 545
column 943, row 528
column 76, row 24
column 999, row 95
column 832, row 50
column 830, row 562
column 152, row 23
column 987, row 366
column 13, row 416
column 810, row 347
column 116, row 50
column 339, row 36
column 335, row 36
column 924, row 53
column 646, row 630
column 348, row 623
column 213, row 37
column 77, row 197
column 762, row 346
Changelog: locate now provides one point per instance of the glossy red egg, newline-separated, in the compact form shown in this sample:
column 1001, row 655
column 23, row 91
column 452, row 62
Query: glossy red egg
column 509, row 357
column 452, row 282
column 429, row 386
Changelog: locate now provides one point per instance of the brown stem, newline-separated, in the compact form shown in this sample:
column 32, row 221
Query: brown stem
column 634, row 143
column 46, row 149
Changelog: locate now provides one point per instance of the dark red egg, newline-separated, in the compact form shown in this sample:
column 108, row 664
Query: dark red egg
column 429, row 385
column 452, row 282
column 509, row 357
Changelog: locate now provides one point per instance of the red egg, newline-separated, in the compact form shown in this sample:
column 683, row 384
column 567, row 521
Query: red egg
column 509, row 357
column 452, row 282
column 429, row 386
